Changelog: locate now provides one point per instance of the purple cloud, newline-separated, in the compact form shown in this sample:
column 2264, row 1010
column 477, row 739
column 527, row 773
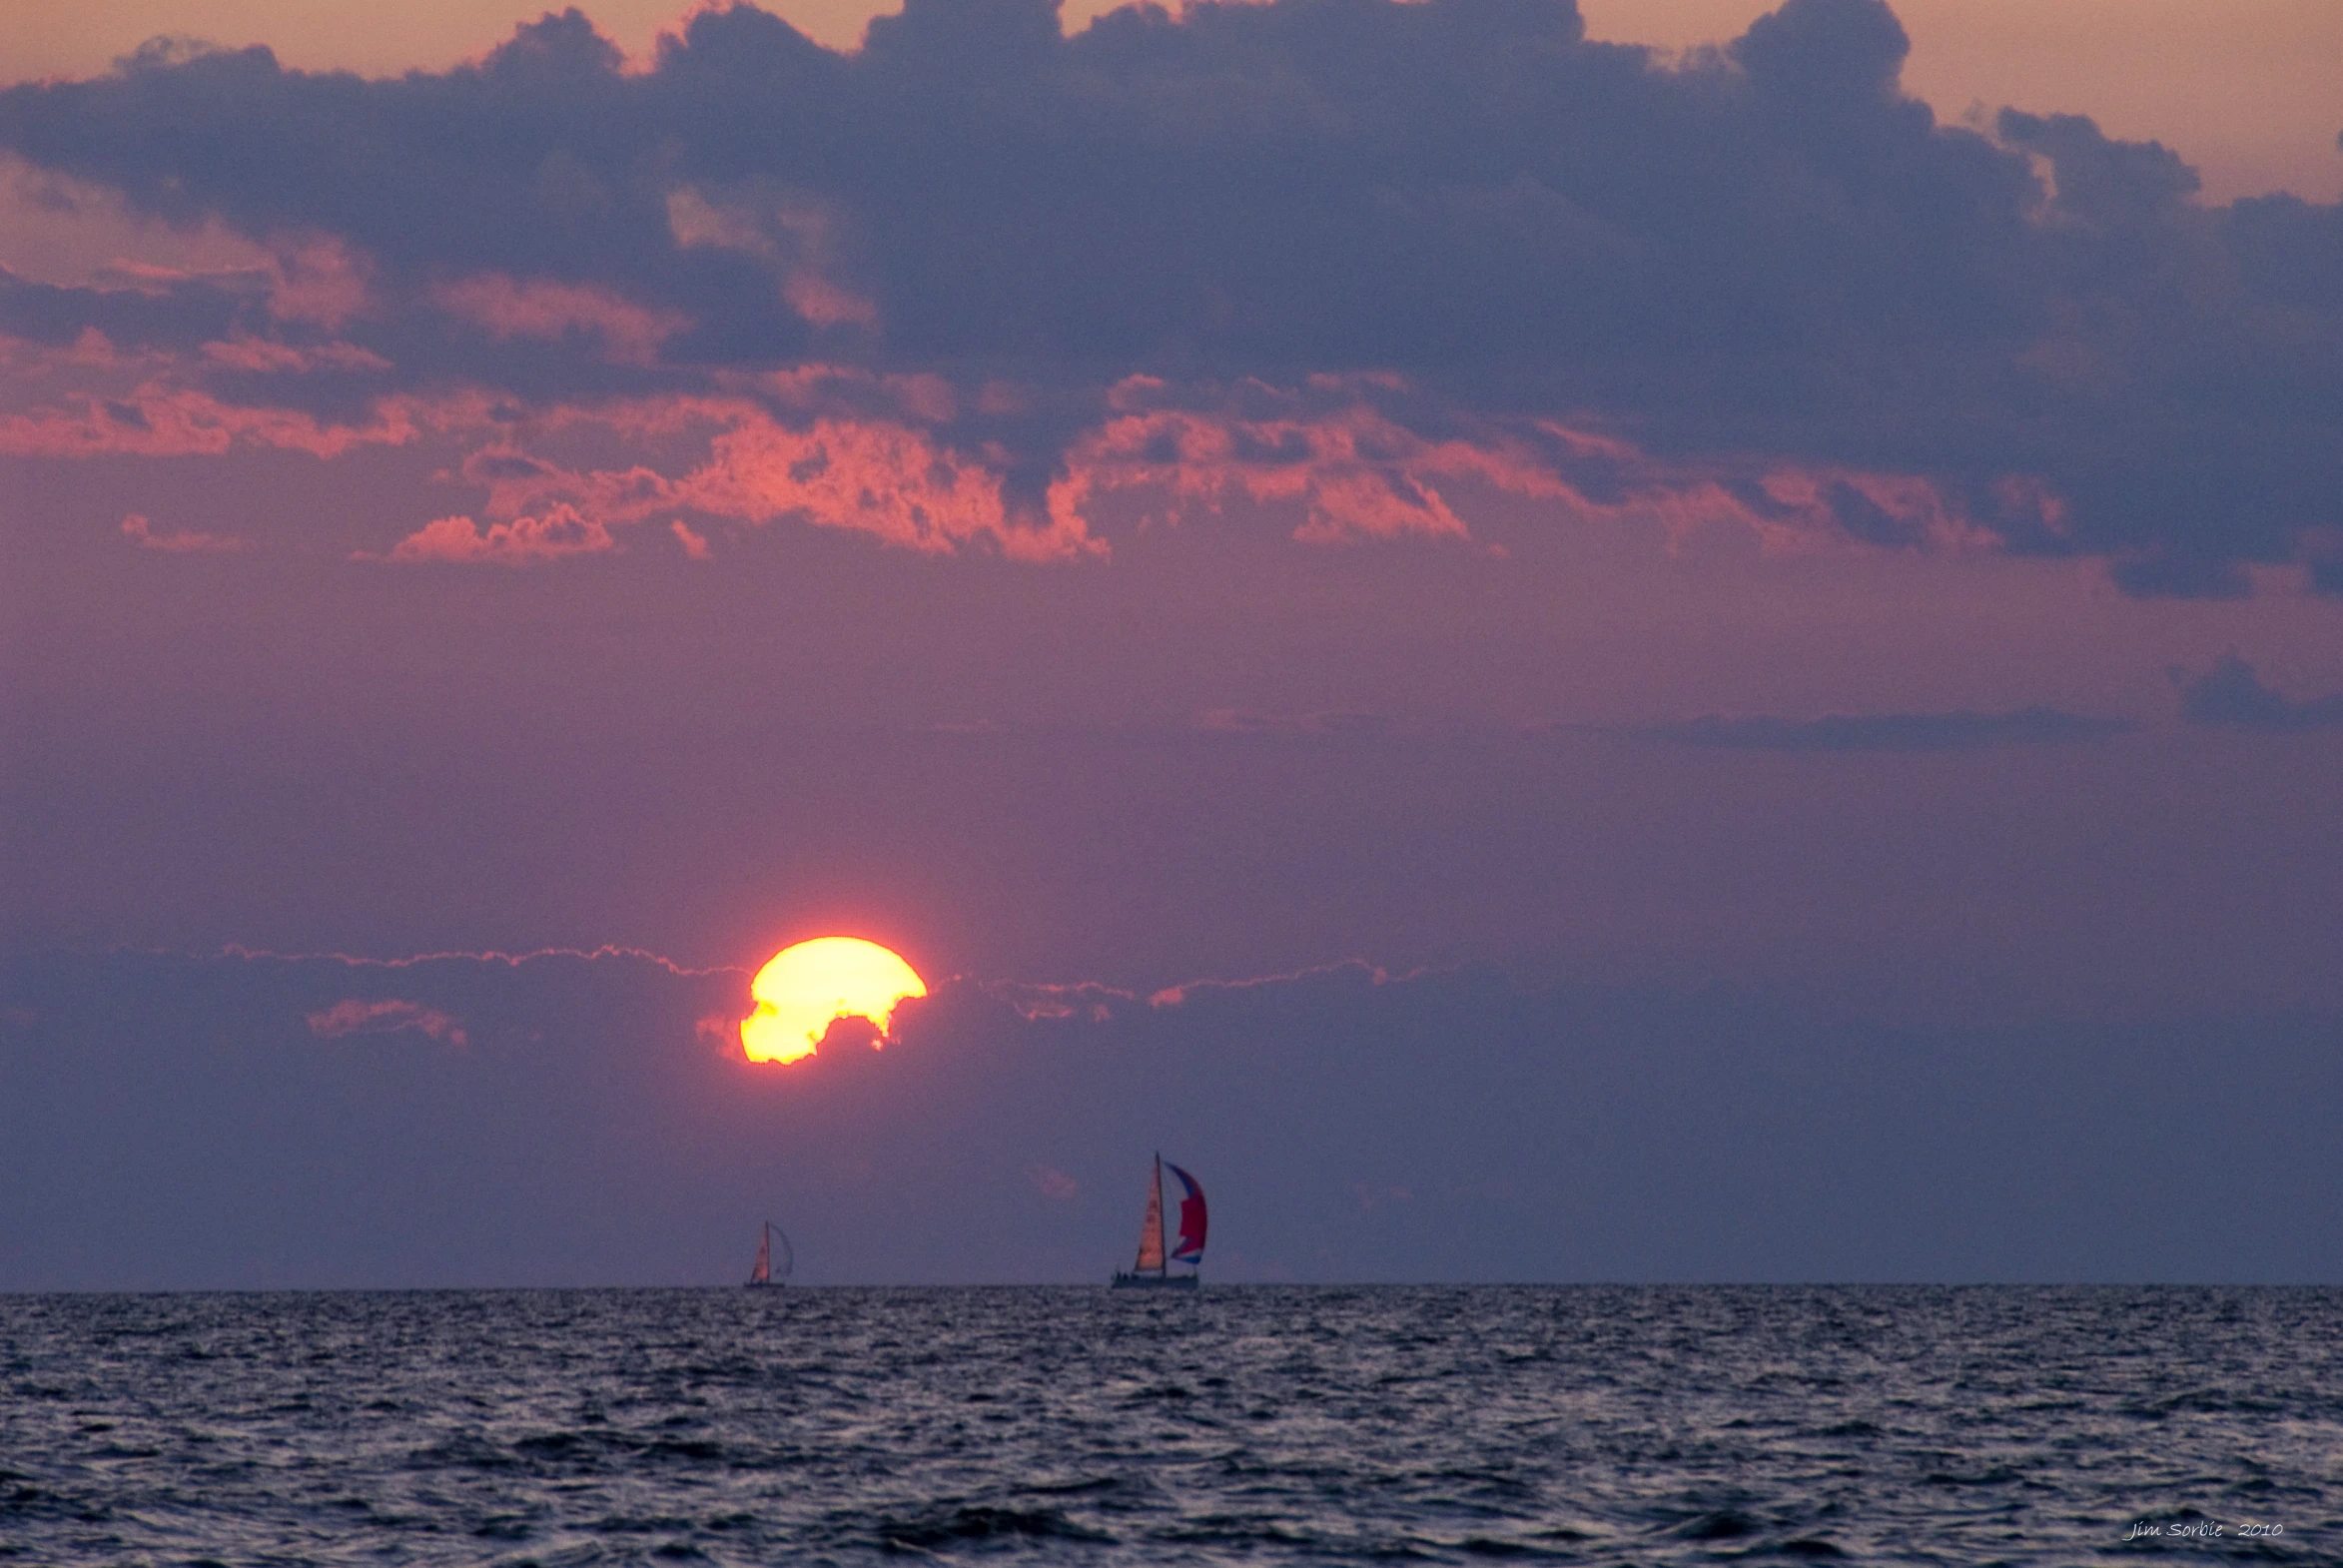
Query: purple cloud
column 1766, row 249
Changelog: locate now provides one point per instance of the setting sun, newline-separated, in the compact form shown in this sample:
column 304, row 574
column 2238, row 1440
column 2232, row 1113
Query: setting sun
column 809, row 987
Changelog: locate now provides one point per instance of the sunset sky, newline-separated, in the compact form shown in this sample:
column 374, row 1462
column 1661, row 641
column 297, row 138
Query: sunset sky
column 1660, row 640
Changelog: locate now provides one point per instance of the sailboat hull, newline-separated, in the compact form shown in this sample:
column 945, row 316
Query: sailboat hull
column 1124, row 1281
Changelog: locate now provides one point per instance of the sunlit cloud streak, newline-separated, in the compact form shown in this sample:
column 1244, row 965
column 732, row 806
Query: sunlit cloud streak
column 492, row 956
column 1097, row 1002
column 1759, row 259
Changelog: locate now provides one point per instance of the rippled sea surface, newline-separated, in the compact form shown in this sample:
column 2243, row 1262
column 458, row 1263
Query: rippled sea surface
column 1575, row 1424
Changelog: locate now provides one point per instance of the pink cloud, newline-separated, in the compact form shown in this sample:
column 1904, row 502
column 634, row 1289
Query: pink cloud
column 181, row 541
column 155, row 281
column 318, row 278
column 1357, row 473
column 389, row 1016
column 868, row 474
column 1052, row 1182
column 877, row 478
column 561, row 532
column 160, row 419
column 794, row 236
column 693, row 221
column 1921, row 512
column 536, row 308
column 927, row 398
column 258, row 353
column 839, row 447
column 825, row 304
column 813, row 388
column 1002, row 398
column 92, row 350
column 518, row 482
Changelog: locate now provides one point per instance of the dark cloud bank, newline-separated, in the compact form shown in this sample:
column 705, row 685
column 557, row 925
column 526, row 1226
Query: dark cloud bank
column 1765, row 249
column 240, row 1122
column 2231, row 692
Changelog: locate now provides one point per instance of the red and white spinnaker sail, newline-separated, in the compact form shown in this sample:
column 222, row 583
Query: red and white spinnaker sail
column 1191, row 1218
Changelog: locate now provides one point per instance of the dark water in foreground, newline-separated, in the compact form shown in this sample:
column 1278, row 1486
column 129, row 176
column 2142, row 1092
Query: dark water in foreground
column 1587, row 1424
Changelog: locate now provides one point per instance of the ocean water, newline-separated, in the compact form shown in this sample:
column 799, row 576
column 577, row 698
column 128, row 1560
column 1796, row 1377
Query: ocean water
column 1570, row 1424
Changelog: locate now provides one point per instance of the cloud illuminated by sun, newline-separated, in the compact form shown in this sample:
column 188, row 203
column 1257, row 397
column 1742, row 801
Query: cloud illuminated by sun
column 807, row 988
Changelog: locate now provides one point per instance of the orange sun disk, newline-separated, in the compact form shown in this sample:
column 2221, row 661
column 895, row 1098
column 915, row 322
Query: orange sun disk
column 807, row 988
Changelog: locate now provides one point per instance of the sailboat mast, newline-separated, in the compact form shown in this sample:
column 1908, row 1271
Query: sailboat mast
column 1163, row 1230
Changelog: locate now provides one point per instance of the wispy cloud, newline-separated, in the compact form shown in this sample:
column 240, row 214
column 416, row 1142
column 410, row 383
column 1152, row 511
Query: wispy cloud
column 388, row 1016
column 1355, row 970
column 1053, row 1183
column 1954, row 731
column 1099, row 1003
column 164, row 416
column 489, row 956
column 181, row 541
column 536, row 309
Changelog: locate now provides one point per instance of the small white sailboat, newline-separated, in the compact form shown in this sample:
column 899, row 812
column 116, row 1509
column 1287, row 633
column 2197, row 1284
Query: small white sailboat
column 765, row 1274
column 1157, row 1249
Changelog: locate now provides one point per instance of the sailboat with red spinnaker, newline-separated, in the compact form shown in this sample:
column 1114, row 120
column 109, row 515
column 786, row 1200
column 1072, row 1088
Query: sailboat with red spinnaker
column 766, row 1272
column 1157, row 1251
